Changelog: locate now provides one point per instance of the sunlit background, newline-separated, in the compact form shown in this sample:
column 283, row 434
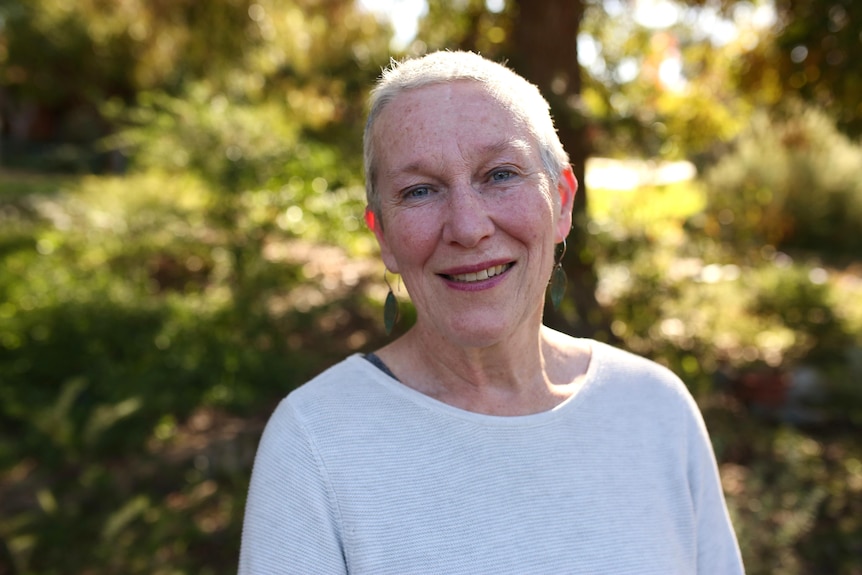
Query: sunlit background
column 182, row 243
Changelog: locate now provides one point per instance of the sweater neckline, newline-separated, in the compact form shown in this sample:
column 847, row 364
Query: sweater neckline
column 393, row 385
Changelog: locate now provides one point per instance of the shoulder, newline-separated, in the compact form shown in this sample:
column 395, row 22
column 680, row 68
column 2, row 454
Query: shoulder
column 332, row 379
column 610, row 369
column 610, row 363
column 648, row 404
column 345, row 385
column 619, row 363
column 631, row 378
column 347, row 396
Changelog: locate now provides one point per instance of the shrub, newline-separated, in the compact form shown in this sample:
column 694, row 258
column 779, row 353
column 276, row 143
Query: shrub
column 792, row 182
column 116, row 329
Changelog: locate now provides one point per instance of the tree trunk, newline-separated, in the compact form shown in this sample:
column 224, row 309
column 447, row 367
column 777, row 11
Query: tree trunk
column 544, row 50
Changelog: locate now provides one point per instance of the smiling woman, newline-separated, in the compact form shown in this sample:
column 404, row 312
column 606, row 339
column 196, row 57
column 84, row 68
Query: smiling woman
column 448, row 212
column 481, row 441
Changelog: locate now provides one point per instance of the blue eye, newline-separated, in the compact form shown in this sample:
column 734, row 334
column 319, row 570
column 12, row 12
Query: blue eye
column 417, row 192
column 501, row 175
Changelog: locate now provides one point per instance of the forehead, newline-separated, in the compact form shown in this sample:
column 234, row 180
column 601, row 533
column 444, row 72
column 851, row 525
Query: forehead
column 461, row 99
column 462, row 114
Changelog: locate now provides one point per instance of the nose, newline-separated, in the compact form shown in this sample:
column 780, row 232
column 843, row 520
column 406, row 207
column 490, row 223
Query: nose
column 468, row 219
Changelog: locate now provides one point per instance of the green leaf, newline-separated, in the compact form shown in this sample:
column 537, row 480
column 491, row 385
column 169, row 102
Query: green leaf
column 558, row 286
column 390, row 312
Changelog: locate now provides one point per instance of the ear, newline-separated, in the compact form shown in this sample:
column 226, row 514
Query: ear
column 375, row 225
column 371, row 220
column 567, row 188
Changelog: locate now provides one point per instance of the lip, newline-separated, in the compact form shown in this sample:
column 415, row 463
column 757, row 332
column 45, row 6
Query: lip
column 480, row 284
column 473, row 268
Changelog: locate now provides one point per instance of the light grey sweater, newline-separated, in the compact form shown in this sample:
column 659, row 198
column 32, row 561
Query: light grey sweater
column 357, row 473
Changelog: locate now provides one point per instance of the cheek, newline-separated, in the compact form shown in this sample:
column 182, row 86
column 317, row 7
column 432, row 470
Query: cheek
column 533, row 220
column 410, row 240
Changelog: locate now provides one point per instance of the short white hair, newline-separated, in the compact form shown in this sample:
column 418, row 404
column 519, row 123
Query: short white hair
column 513, row 91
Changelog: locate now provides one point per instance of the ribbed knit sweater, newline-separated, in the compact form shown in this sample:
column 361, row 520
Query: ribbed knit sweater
column 357, row 473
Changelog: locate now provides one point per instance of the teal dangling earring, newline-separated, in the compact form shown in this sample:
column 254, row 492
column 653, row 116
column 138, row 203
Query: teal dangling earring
column 558, row 279
column 390, row 308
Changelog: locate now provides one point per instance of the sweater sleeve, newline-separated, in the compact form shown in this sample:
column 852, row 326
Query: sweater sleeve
column 291, row 521
column 717, row 548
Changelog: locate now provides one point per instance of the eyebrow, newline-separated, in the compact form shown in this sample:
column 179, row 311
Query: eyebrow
column 519, row 144
column 493, row 149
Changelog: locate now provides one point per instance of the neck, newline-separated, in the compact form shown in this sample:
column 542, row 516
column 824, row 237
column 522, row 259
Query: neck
column 526, row 373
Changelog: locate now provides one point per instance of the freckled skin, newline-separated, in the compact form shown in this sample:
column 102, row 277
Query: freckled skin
column 462, row 187
column 465, row 218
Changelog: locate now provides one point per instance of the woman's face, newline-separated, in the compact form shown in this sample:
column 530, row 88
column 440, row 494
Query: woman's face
column 469, row 219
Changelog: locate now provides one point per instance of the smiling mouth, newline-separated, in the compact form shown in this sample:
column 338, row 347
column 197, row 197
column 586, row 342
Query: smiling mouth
column 480, row 275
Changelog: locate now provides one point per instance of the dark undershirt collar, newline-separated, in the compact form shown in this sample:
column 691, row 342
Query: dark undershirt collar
column 374, row 359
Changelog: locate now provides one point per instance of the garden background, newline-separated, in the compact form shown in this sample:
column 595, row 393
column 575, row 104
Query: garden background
column 181, row 244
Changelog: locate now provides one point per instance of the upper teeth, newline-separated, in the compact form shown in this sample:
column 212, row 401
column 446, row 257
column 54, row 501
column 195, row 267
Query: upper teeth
column 480, row 275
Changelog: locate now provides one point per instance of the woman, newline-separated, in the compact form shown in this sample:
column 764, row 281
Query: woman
column 481, row 441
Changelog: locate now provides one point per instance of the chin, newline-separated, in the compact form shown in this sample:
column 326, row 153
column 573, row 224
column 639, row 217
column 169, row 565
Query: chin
column 477, row 334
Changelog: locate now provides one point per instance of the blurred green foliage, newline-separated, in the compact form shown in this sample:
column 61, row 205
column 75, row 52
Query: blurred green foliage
column 811, row 53
column 793, row 496
column 791, row 181
column 119, row 325
column 770, row 345
column 149, row 322
column 134, row 386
